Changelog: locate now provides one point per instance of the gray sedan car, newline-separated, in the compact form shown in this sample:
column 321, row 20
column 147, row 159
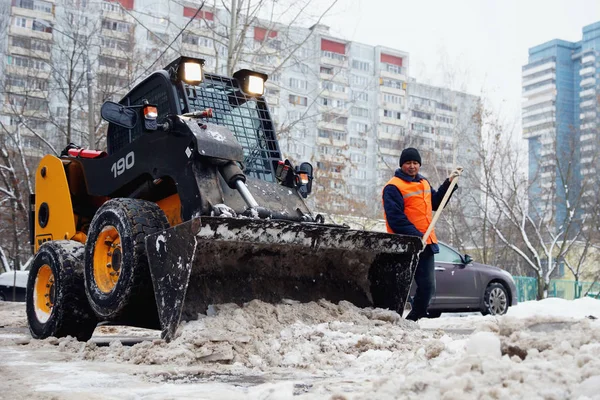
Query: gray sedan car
column 464, row 285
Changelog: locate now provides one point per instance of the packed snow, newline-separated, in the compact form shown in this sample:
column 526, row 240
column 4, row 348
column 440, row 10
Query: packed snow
column 548, row 349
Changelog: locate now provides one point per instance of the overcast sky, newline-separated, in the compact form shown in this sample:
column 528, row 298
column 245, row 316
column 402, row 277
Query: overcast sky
column 483, row 43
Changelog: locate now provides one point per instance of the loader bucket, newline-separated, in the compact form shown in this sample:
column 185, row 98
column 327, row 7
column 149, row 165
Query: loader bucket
column 214, row 260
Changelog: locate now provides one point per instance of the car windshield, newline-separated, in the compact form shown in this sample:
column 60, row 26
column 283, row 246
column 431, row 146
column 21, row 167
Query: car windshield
column 246, row 117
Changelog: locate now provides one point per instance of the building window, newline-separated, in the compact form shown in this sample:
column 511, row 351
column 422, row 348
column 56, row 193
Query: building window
column 298, row 100
column 392, row 114
column 334, row 87
column 364, row 66
column 298, row 84
column 360, row 112
column 421, row 128
column 115, row 25
column 421, row 114
column 392, row 83
column 334, row 118
column 358, row 158
column 358, row 142
column 360, row 80
column 392, row 98
column 360, row 96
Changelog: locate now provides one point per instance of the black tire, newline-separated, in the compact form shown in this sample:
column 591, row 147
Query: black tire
column 56, row 302
column 127, row 295
column 434, row 314
column 2, row 297
column 495, row 299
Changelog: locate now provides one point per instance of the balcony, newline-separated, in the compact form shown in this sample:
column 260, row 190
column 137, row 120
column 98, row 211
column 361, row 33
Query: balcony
column 122, row 35
column 335, row 95
column 587, row 71
column 390, row 152
column 190, row 48
column 332, row 126
column 588, row 59
column 397, row 75
column 332, row 142
column 588, row 81
column 333, row 110
column 334, row 59
column 18, row 31
column 587, row 93
column 550, row 75
column 18, row 70
column 539, row 68
column 550, row 88
column 391, row 106
column 336, row 77
column 539, row 99
column 392, row 121
column 31, row 13
column 391, row 90
column 44, row 55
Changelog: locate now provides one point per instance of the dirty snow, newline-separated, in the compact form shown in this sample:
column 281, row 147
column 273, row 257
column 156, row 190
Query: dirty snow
column 540, row 350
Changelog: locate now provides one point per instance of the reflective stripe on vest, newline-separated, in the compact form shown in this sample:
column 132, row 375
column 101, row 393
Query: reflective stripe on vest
column 417, row 205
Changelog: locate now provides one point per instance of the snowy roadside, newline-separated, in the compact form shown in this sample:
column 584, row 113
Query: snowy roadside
column 546, row 349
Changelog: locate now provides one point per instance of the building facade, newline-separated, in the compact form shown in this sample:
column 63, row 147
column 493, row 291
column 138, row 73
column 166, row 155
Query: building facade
column 560, row 114
column 347, row 107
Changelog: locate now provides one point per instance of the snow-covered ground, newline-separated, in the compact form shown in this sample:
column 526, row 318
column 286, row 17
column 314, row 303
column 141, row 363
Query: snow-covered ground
column 540, row 350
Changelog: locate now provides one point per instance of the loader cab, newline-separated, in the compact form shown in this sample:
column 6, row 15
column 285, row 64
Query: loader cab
column 236, row 102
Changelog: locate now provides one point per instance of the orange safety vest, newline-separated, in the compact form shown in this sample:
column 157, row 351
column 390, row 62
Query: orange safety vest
column 417, row 205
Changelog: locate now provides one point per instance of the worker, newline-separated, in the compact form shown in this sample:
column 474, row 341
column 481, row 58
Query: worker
column 408, row 202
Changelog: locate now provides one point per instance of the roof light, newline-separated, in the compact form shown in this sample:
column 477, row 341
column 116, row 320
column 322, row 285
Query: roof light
column 186, row 69
column 252, row 83
column 256, row 85
column 192, row 72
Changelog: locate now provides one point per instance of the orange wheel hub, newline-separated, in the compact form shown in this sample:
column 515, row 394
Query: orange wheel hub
column 43, row 293
column 107, row 259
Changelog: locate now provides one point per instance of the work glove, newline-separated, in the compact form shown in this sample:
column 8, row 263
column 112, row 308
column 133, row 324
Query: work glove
column 457, row 171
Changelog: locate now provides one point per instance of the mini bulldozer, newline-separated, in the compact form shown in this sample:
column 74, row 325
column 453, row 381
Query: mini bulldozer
column 191, row 204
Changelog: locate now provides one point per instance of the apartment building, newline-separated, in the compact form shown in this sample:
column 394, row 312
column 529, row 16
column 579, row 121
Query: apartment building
column 560, row 114
column 347, row 107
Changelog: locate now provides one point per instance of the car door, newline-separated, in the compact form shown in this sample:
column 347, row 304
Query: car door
column 456, row 282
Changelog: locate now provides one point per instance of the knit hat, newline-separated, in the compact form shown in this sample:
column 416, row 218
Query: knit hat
column 410, row 154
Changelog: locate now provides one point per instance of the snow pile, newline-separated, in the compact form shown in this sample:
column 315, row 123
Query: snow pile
column 12, row 314
column 545, row 350
column 309, row 336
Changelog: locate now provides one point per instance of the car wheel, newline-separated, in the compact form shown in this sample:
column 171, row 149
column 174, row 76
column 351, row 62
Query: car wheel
column 434, row 314
column 2, row 297
column 56, row 303
column 495, row 299
column 117, row 278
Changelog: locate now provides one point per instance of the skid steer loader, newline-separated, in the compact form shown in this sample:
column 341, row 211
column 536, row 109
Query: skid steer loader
column 191, row 204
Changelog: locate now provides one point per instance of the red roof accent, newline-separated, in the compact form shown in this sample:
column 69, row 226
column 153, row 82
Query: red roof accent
column 334, row 47
column 386, row 58
column 190, row 11
column 126, row 4
column 261, row 33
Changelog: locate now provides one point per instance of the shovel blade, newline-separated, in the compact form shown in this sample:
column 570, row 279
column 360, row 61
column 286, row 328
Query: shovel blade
column 222, row 260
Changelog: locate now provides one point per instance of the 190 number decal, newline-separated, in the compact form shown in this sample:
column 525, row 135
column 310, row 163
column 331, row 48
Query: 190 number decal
column 123, row 164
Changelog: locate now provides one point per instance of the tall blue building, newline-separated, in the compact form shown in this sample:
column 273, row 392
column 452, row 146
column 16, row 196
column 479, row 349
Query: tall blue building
column 561, row 120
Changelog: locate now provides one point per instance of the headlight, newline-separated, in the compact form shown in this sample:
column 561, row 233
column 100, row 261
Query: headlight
column 251, row 82
column 256, row 85
column 192, row 73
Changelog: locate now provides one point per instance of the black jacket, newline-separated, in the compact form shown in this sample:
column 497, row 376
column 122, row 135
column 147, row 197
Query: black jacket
column 393, row 203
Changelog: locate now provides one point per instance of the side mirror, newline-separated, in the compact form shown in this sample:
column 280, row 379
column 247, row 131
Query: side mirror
column 119, row 114
column 304, row 177
column 467, row 259
column 299, row 178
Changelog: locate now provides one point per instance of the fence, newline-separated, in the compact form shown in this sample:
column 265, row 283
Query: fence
column 527, row 288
